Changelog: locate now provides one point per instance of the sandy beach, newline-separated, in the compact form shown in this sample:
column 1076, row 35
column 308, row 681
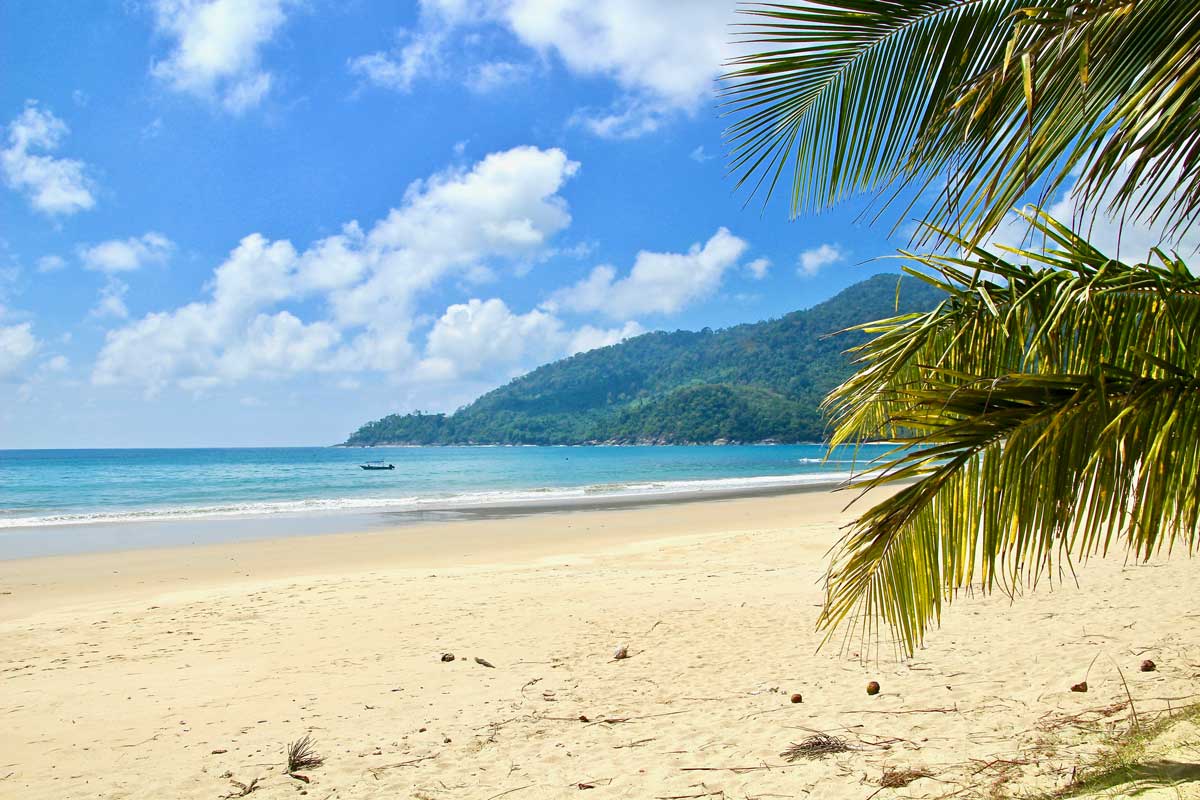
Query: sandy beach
column 184, row 672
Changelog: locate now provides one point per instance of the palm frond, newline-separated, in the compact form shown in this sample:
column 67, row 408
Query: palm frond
column 1049, row 409
column 981, row 99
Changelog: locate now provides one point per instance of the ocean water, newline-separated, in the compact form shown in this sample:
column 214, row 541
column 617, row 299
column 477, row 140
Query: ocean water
column 44, row 493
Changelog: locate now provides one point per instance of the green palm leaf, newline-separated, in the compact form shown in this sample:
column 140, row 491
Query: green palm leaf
column 981, row 99
column 1052, row 408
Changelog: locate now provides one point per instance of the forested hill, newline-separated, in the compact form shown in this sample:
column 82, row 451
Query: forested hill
column 750, row 383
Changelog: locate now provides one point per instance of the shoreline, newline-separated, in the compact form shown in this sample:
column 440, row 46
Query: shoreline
column 124, row 534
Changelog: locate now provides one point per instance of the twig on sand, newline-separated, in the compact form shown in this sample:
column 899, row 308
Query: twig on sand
column 242, row 789
column 905, row 711
column 822, row 744
column 736, row 770
column 638, row 743
column 615, row 720
column 412, row 762
column 510, row 791
column 899, row 778
column 591, row 783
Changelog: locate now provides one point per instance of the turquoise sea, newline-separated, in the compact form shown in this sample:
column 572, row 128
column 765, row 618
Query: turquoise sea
column 73, row 500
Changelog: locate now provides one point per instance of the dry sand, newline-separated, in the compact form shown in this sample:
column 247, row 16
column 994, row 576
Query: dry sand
column 174, row 673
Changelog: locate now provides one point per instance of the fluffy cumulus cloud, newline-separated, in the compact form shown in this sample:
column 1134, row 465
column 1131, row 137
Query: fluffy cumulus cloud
column 505, row 207
column 758, row 268
column 17, row 346
column 126, row 255
column 216, row 48
column 658, row 283
column 664, row 61
column 817, row 258
column 485, row 339
column 54, row 186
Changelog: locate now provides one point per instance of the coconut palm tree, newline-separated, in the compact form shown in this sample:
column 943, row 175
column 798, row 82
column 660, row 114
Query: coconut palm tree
column 1049, row 408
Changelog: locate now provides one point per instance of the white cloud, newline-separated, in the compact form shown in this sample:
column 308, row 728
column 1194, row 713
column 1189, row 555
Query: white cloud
column 590, row 337
column 662, row 283
column 51, row 263
column 671, row 54
column 484, row 339
column 628, row 118
column 759, row 267
column 216, row 48
column 55, row 186
column 17, row 345
column 112, row 300
column 506, row 206
column 493, row 75
column 817, row 258
column 664, row 61
column 126, row 255
column 418, row 56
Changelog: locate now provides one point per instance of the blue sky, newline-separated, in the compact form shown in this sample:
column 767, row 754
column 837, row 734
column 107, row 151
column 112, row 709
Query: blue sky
column 264, row 222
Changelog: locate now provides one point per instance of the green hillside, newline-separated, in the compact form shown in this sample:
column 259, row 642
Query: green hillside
column 750, row 383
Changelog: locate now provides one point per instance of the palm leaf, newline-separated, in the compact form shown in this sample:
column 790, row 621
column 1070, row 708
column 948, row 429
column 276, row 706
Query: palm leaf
column 1050, row 406
column 981, row 99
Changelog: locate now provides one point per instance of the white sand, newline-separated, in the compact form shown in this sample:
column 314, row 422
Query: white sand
column 165, row 674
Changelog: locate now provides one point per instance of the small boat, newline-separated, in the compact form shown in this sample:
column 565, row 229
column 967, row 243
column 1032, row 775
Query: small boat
column 377, row 465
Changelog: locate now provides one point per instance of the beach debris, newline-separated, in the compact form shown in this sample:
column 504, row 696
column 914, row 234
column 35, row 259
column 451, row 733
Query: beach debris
column 821, row 744
column 899, row 778
column 873, row 688
column 1080, row 687
column 483, row 662
column 242, row 789
column 447, row 657
column 621, row 652
column 302, row 755
column 1148, row 666
column 797, row 698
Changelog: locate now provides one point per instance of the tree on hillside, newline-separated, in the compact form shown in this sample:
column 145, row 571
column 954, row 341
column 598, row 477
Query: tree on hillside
column 1055, row 394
